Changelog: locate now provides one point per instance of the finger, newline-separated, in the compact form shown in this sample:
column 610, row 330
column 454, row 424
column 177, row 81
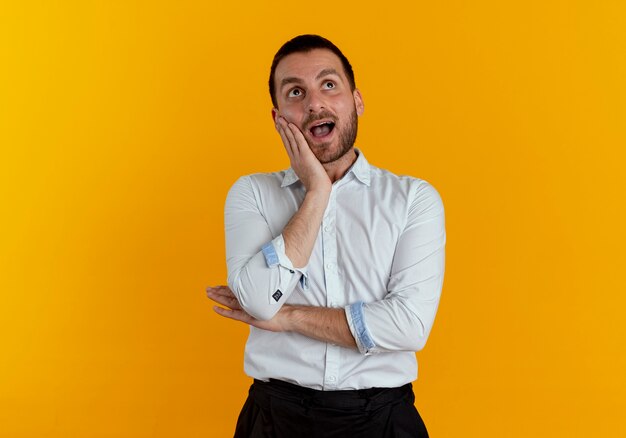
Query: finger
column 219, row 299
column 299, row 138
column 297, row 133
column 282, row 128
column 215, row 291
column 286, row 142
column 230, row 303
column 220, row 290
column 284, row 124
column 237, row 315
column 289, row 136
column 225, row 300
column 276, row 117
column 292, row 139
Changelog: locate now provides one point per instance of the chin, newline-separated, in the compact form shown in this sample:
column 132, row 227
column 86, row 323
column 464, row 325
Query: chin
column 327, row 153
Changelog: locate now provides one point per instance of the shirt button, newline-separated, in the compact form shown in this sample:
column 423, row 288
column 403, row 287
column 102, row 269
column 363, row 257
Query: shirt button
column 331, row 378
column 329, row 265
column 327, row 228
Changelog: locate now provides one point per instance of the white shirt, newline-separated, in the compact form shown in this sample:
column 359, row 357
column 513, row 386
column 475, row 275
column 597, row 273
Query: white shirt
column 379, row 255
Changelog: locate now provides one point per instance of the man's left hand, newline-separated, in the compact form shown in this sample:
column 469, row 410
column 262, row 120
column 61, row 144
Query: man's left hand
column 224, row 296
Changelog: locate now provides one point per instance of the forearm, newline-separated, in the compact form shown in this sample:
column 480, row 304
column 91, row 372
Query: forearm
column 301, row 232
column 263, row 281
column 403, row 319
column 259, row 272
column 321, row 323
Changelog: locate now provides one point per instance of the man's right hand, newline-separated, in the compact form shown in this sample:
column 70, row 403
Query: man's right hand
column 303, row 161
column 301, row 231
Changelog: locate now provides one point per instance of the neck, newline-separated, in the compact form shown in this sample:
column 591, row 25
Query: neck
column 338, row 168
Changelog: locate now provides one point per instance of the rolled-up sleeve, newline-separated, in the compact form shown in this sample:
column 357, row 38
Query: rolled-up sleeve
column 402, row 321
column 260, row 274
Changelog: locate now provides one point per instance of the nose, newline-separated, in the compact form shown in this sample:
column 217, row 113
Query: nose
column 315, row 102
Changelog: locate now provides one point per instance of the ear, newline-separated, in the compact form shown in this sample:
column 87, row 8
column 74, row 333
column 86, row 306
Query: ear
column 358, row 102
column 274, row 114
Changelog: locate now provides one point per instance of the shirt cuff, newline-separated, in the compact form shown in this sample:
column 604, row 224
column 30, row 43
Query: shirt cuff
column 274, row 252
column 356, row 322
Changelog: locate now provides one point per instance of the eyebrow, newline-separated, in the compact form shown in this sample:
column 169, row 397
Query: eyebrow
column 294, row 80
column 326, row 72
column 289, row 80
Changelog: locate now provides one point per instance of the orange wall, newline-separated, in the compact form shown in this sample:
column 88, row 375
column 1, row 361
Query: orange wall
column 122, row 125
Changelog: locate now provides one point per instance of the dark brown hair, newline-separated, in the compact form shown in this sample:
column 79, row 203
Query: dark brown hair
column 306, row 43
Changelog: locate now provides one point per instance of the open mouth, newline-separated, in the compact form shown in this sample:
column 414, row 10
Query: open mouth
column 322, row 129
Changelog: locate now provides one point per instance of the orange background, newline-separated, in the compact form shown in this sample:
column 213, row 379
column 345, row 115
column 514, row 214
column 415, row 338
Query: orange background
column 123, row 124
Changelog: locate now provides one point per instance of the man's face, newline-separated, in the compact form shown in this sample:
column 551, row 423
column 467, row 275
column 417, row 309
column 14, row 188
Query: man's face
column 313, row 92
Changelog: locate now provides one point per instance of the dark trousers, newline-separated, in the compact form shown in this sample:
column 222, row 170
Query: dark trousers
column 277, row 409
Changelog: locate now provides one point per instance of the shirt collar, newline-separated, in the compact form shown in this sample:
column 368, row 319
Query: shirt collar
column 360, row 169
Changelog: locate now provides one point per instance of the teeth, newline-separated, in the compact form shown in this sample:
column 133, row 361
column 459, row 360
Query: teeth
column 322, row 124
column 321, row 130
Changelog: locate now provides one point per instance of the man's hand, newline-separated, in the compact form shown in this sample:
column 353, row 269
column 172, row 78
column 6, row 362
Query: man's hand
column 303, row 160
column 224, row 296
column 301, row 232
column 321, row 323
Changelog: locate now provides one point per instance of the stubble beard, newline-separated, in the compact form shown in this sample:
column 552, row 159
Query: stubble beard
column 347, row 137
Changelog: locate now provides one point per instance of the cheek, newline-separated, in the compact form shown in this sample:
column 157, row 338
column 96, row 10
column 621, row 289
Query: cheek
column 345, row 104
column 291, row 113
column 345, row 111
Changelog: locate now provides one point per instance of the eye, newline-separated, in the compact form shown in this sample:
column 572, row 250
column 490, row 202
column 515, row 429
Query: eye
column 295, row 92
column 329, row 84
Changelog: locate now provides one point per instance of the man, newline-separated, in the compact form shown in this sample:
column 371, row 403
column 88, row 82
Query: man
column 336, row 265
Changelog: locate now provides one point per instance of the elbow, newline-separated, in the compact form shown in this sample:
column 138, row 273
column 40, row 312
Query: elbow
column 260, row 312
column 412, row 338
column 253, row 290
column 400, row 328
column 414, row 343
column 419, row 336
column 253, row 304
column 421, row 333
column 413, row 330
column 417, row 343
column 415, row 337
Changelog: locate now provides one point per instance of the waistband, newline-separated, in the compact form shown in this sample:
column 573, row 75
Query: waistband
column 342, row 399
